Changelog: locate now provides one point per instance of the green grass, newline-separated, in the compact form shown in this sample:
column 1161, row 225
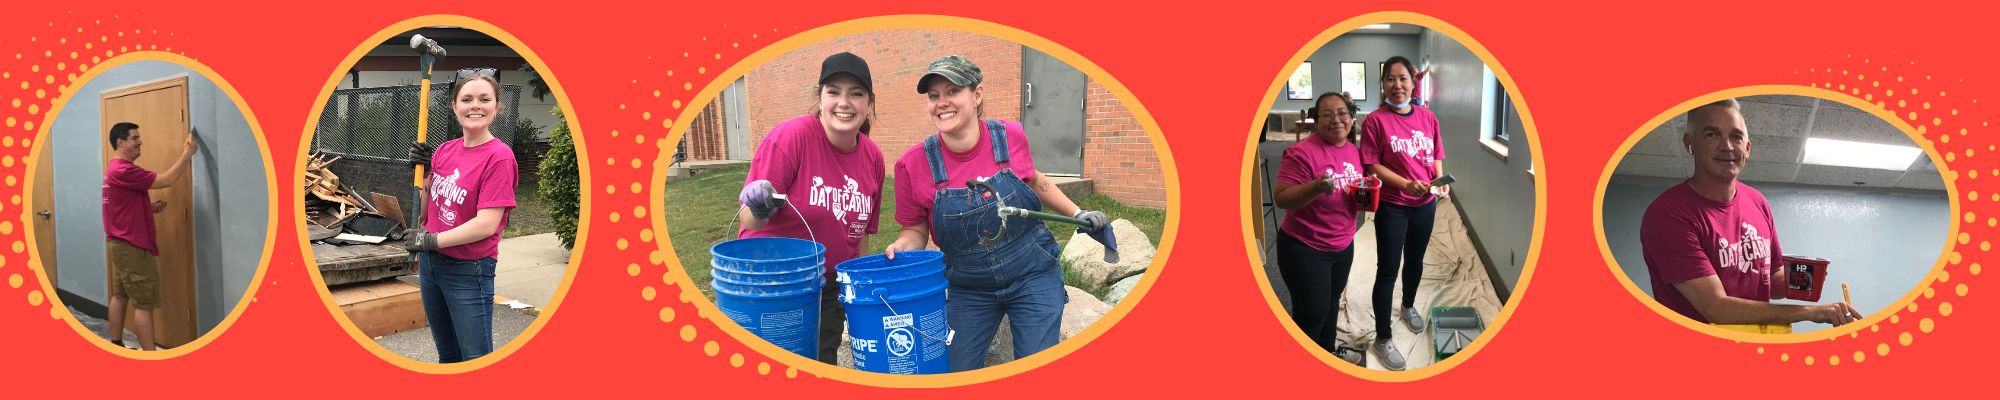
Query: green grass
column 701, row 210
column 530, row 215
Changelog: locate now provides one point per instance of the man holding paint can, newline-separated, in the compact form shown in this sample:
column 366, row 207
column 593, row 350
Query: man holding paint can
column 1711, row 244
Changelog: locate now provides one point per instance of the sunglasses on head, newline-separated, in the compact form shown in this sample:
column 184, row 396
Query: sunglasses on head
column 476, row 72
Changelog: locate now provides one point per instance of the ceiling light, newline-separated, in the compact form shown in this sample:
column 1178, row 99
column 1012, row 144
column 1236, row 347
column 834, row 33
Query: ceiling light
column 1842, row 153
column 1376, row 26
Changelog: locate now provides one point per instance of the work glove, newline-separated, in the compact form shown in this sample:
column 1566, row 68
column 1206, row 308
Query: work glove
column 419, row 239
column 420, row 154
column 1097, row 219
column 761, row 198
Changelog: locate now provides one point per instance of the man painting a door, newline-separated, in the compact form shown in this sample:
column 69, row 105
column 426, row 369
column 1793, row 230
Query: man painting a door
column 151, row 194
column 156, row 236
column 130, row 234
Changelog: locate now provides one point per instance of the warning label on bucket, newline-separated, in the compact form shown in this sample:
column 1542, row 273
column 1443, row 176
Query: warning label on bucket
column 900, row 342
column 896, row 321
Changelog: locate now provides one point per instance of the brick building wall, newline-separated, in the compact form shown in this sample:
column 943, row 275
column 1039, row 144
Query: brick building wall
column 707, row 136
column 1117, row 155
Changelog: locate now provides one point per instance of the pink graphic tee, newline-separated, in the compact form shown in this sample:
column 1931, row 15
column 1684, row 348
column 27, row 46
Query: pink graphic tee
column 128, row 209
column 838, row 192
column 1687, row 236
column 464, row 180
column 916, row 192
column 1410, row 145
column 1328, row 222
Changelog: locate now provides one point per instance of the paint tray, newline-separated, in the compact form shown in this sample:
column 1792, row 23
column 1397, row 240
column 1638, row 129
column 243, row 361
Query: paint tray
column 1453, row 329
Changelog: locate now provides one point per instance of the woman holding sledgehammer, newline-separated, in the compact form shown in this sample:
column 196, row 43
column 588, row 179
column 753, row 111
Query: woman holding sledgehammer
column 1318, row 187
column 830, row 172
column 1401, row 144
column 950, row 189
column 470, row 191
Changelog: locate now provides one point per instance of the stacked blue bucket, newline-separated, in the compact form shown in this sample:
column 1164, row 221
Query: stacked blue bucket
column 895, row 312
column 771, row 287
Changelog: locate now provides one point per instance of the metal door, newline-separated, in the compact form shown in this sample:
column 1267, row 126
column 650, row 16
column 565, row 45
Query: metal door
column 161, row 108
column 736, row 121
column 1052, row 110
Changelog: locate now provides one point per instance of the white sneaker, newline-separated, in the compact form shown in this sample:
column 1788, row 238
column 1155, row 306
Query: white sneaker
column 1414, row 320
column 1391, row 359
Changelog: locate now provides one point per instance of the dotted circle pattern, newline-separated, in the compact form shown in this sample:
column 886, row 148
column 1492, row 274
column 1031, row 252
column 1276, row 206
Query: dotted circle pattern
column 1902, row 89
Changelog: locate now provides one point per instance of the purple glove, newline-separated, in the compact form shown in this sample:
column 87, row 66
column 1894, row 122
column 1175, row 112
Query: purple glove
column 760, row 198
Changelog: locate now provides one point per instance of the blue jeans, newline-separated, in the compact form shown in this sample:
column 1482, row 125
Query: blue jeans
column 1028, row 291
column 458, row 303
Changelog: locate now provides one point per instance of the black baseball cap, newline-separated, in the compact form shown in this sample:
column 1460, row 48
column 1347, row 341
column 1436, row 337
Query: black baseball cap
column 848, row 63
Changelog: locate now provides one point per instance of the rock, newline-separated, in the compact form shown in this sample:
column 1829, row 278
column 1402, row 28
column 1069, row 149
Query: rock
column 1122, row 288
column 1082, row 311
column 846, row 350
column 1086, row 256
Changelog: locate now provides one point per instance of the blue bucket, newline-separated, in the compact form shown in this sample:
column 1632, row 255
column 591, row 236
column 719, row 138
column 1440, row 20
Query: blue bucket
column 771, row 287
column 895, row 312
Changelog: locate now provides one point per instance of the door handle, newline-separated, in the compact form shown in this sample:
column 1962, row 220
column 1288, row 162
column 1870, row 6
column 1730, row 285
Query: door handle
column 45, row 214
column 1030, row 97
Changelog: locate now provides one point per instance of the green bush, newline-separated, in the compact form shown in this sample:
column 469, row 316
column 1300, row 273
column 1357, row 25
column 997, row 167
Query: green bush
column 561, row 188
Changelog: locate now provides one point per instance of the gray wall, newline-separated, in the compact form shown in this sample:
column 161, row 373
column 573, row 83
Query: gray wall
column 226, row 249
column 1497, row 195
column 1882, row 242
column 1368, row 48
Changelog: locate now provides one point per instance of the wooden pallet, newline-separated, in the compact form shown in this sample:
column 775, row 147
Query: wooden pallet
column 381, row 307
column 340, row 265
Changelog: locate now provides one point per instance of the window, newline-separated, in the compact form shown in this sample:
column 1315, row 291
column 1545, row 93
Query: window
column 1495, row 113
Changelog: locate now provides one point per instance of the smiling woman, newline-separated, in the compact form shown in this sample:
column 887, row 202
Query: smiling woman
column 420, row 279
column 793, row 272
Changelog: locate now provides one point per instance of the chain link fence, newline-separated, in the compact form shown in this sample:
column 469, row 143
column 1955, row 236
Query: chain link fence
column 370, row 130
column 378, row 123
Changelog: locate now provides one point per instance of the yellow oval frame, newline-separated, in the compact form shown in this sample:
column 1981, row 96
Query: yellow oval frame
column 1875, row 317
column 1541, row 196
column 583, row 172
column 270, row 181
column 708, row 309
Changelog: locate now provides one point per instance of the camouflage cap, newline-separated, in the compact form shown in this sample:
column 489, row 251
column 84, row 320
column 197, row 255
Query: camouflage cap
column 959, row 70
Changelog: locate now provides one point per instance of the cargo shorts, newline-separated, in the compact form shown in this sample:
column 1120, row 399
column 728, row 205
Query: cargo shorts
column 135, row 274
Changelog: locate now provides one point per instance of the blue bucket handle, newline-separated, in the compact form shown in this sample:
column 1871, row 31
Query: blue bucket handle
column 733, row 219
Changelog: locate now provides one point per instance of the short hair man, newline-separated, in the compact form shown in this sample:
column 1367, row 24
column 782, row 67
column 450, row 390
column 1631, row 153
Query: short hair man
column 1710, row 243
column 129, row 233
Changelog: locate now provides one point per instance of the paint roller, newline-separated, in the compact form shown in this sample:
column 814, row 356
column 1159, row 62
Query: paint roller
column 1101, row 233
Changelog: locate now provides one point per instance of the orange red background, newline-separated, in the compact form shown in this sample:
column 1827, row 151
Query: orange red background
column 1590, row 76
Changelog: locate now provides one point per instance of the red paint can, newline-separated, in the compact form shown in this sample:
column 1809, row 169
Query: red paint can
column 1366, row 192
column 1804, row 277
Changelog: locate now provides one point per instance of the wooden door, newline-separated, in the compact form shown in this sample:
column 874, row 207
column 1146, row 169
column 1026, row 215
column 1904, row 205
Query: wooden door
column 44, row 213
column 160, row 108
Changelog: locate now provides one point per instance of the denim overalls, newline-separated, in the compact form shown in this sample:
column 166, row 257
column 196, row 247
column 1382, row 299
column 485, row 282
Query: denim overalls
column 1017, row 276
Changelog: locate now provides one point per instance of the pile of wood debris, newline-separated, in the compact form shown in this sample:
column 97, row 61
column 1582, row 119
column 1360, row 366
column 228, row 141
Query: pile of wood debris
column 337, row 214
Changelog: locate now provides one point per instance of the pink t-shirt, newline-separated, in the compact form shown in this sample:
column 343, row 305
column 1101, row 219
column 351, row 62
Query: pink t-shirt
column 1327, row 223
column 916, row 192
column 1410, row 145
column 838, row 192
column 128, row 210
column 1687, row 236
column 464, row 180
